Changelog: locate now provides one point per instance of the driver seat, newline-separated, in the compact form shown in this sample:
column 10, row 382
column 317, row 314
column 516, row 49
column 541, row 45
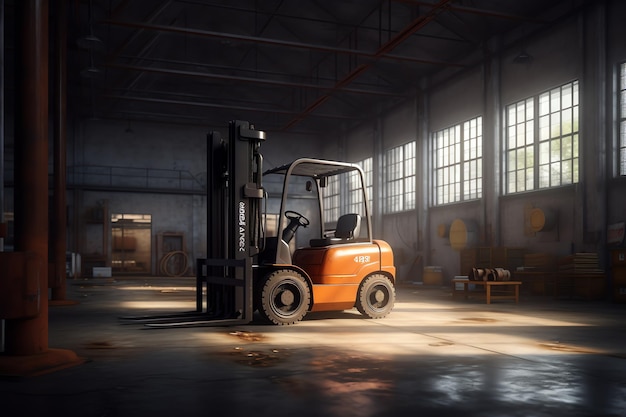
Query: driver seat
column 347, row 230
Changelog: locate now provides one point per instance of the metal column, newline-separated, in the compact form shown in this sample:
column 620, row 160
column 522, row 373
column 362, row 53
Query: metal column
column 30, row 336
column 58, row 234
column 26, row 345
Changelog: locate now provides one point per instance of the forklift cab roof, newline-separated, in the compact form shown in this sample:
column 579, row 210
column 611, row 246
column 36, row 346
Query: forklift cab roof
column 314, row 168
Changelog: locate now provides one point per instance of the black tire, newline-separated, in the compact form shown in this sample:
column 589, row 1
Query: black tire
column 285, row 297
column 376, row 296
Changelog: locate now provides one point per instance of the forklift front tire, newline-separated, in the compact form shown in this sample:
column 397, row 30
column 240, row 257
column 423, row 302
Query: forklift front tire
column 376, row 296
column 285, row 297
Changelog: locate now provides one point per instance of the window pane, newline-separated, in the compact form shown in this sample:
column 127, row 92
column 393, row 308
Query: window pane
column 555, row 150
column 554, row 136
column 544, row 104
column 456, row 162
column 544, row 153
column 544, row 127
column 401, row 170
column 544, row 176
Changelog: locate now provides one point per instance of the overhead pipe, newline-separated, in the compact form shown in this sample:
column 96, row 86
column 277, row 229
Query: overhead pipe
column 185, row 73
column 277, row 42
column 383, row 51
column 216, row 105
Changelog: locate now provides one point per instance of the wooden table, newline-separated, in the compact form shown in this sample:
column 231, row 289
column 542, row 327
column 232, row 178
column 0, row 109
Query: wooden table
column 504, row 290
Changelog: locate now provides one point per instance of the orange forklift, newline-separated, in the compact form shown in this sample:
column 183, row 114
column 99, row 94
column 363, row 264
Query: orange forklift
column 278, row 243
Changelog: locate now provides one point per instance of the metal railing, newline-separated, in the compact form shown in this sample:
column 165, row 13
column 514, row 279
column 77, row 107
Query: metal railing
column 102, row 176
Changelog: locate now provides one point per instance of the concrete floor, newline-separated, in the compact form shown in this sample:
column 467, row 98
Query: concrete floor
column 431, row 356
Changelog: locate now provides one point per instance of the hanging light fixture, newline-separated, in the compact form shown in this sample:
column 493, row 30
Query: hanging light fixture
column 89, row 41
column 523, row 57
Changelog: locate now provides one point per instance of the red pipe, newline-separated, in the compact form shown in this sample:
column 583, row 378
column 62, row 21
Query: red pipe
column 382, row 52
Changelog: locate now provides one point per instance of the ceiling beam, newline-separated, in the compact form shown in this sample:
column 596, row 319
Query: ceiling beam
column 221, row 106
column 276, row 42
column 384, row 50
column 476, row 11
column 185, row 73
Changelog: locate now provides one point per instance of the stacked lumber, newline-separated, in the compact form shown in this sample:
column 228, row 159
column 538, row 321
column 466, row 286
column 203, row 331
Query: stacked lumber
column 538, row 262
column 581, row 262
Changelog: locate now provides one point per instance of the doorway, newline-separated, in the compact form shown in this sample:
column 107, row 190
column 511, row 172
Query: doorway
column 131, row 241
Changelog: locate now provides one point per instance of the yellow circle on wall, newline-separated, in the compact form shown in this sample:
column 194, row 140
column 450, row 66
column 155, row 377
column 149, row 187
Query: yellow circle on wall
column 461, row 234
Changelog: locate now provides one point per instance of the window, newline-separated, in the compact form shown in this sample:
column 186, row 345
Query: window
column 332, row 202
column 541, row 140
column 355, row 195
column 622, row 120
column 457, row 162
column 400, row 169
column 131, row 244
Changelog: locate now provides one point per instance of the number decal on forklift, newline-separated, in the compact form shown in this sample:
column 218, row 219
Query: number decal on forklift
column 362, row 259
column 242, row 226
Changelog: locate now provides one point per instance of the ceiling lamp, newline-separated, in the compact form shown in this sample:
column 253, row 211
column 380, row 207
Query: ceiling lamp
column 89, row 41
column 523, row 58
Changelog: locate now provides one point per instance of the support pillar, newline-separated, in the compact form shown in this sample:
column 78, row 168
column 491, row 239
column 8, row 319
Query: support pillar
column 58, row 235
column 26, row 346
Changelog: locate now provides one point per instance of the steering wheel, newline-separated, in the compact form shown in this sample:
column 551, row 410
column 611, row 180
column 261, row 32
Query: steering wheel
column 302, row 221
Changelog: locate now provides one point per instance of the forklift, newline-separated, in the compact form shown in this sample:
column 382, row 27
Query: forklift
column 277, row 243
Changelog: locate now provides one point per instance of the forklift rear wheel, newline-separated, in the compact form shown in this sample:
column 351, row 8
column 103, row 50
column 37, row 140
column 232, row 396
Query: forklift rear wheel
column 376, row 296
column 285, row 297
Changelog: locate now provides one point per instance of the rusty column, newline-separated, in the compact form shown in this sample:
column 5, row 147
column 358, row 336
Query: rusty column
column 30, row 336
column 26, row 346
column 58, row 235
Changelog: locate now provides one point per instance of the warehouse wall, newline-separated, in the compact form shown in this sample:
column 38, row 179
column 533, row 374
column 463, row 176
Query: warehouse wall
column 587, row 47
column 100, row 150
column 616, row 54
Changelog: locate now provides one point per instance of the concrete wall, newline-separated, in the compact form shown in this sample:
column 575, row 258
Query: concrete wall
column 106, row 146
column 587, row 46
column 616, row 54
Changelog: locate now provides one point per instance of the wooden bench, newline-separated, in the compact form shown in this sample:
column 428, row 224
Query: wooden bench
column 504, row 290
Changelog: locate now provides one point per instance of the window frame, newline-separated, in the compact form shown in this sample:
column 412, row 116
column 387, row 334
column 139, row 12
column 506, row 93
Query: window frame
column 400, row 178
column 541, row 140
column 355, row 194
column 621, row 120
column 457, row 161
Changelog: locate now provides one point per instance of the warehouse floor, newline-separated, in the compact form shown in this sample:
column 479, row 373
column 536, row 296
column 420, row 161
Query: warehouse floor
column 431, row 356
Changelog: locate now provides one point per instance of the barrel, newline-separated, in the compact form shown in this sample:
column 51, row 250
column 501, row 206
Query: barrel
column 433, row 275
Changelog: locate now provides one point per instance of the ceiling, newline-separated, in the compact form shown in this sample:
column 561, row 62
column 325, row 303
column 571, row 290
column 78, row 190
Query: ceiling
column 305, row 66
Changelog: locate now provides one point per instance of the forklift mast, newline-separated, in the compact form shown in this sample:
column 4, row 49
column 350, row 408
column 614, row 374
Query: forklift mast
column 235, row 192
column 234, row 221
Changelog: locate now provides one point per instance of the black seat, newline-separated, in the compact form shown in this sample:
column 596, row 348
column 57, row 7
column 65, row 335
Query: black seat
column 348, row 228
